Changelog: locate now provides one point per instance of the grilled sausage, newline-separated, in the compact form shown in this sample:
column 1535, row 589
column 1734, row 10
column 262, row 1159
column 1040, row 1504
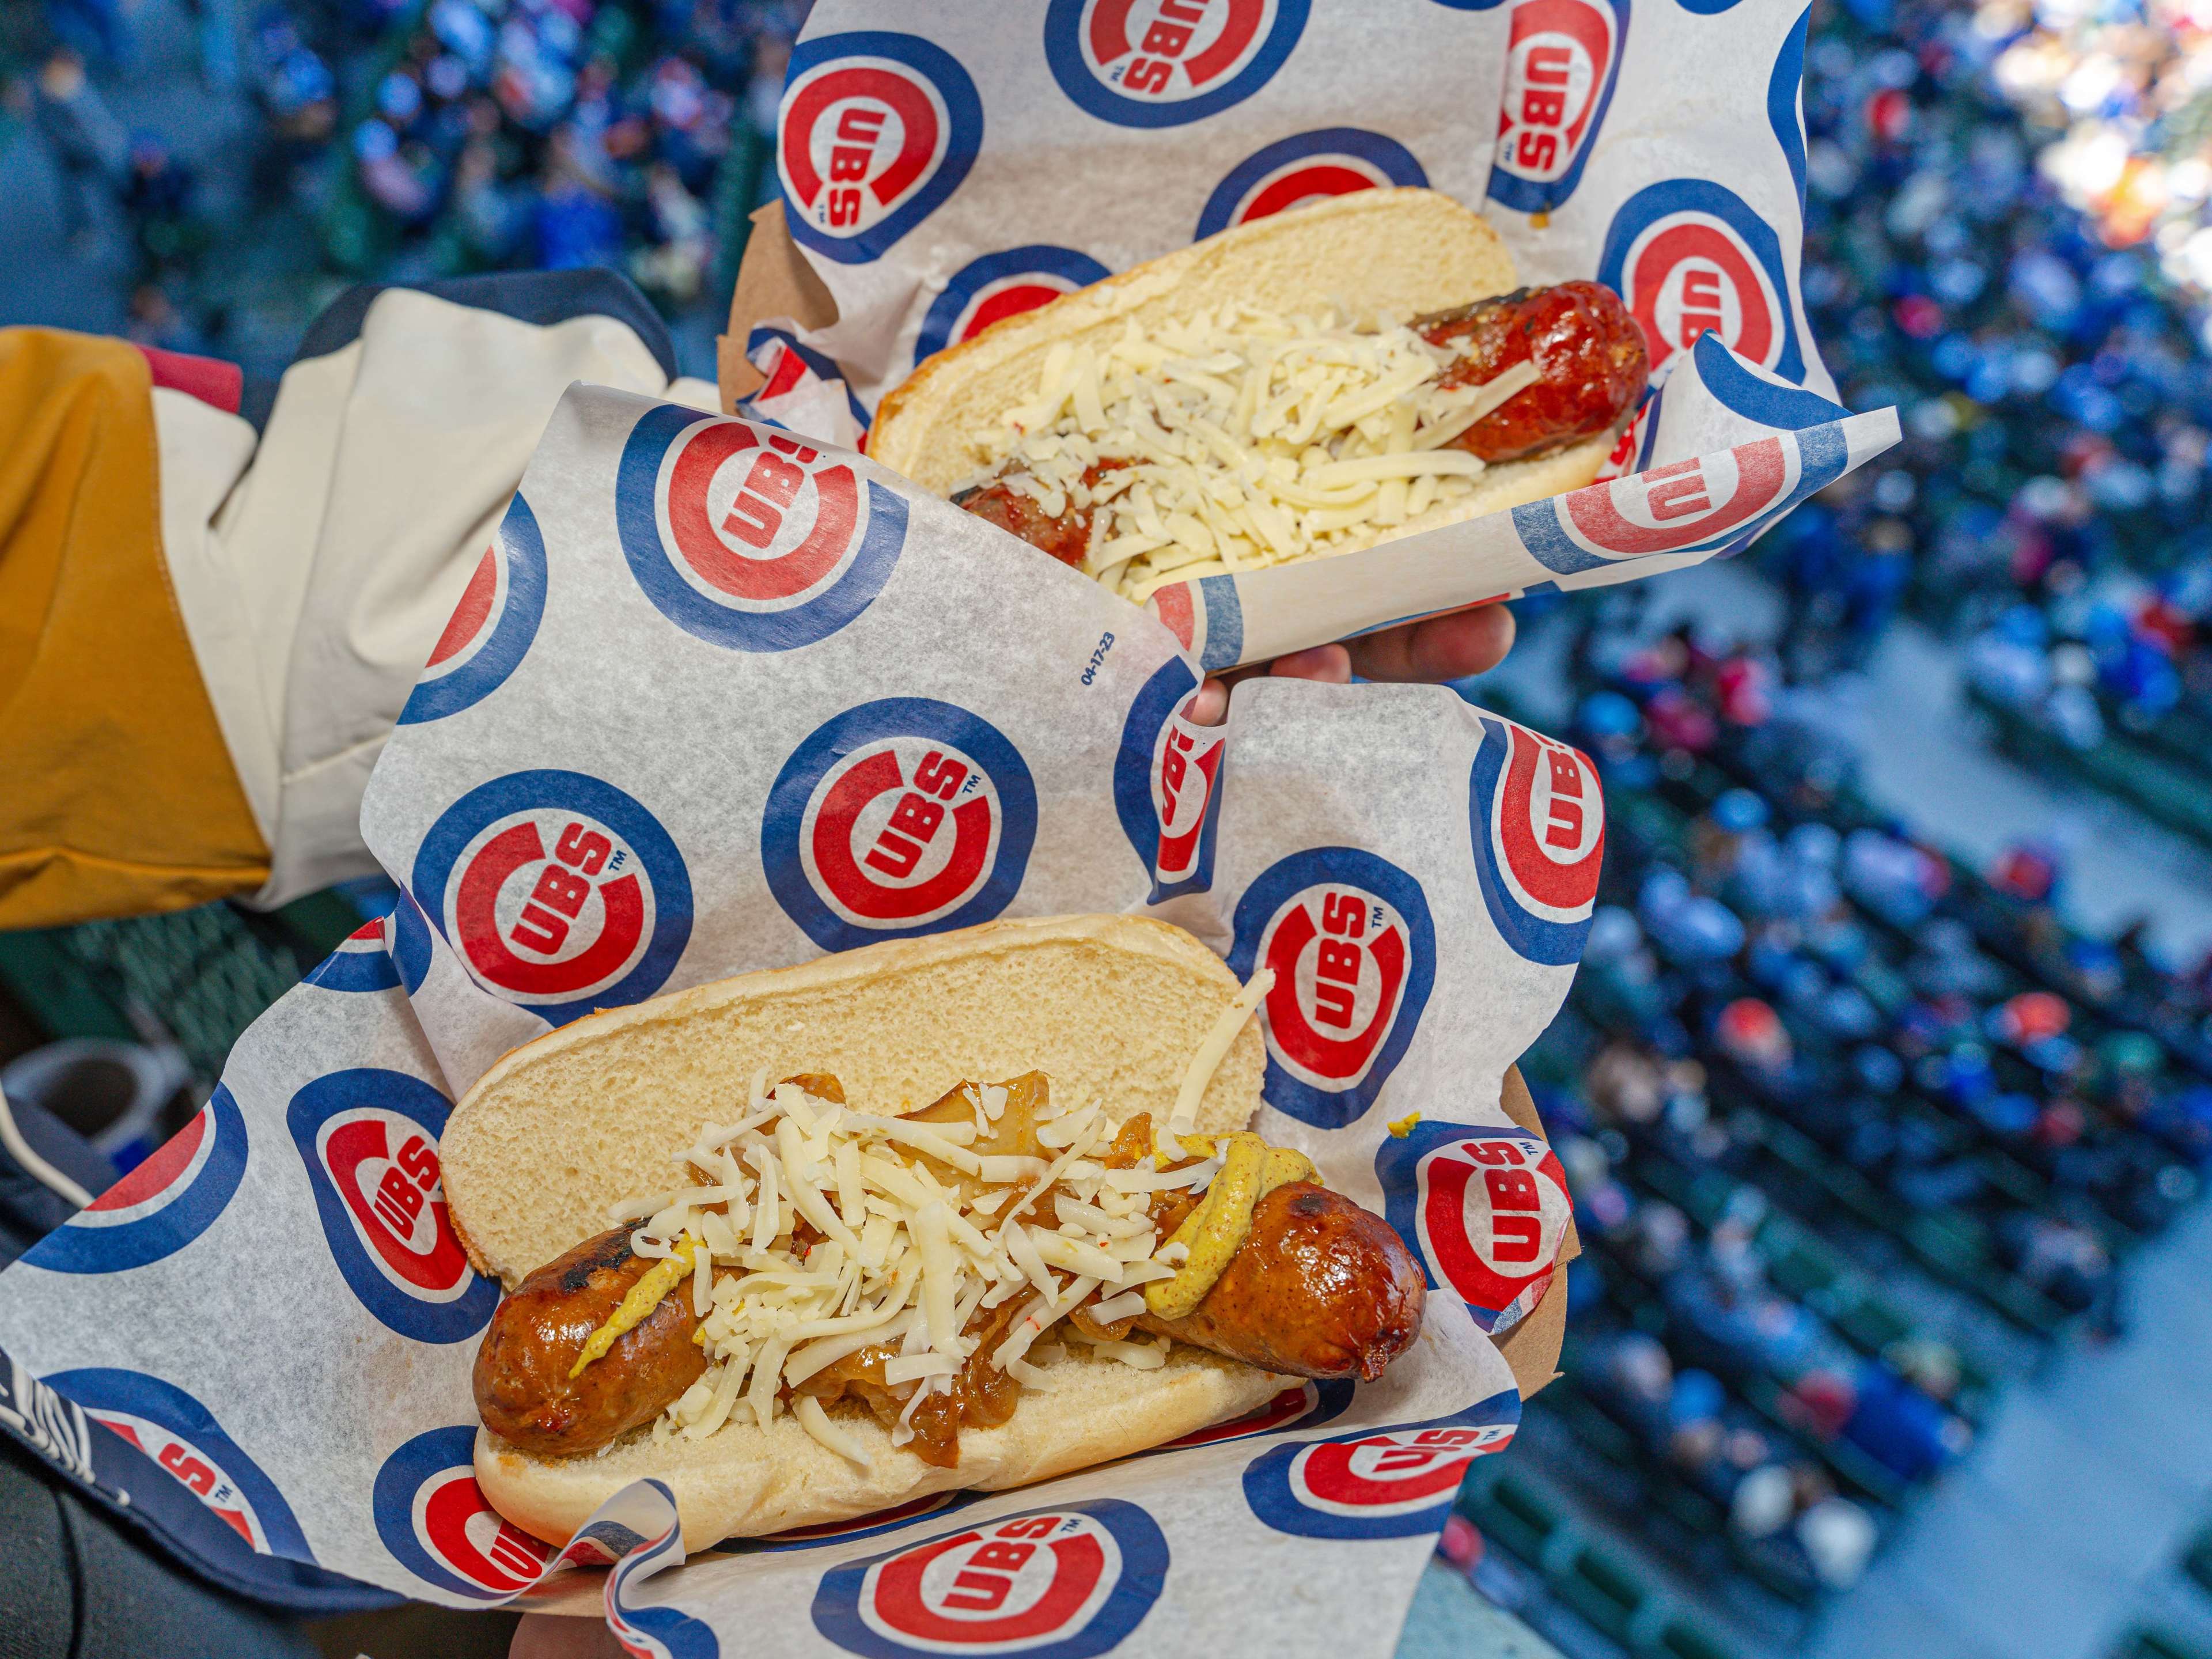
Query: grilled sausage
column 1589, row 356
column 1066, row 538
column 1320, row 1287
column 523, row 1389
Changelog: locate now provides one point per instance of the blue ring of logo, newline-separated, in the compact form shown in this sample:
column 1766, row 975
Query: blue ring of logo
column 782, row 822
column 1067, row 263
column 357, row 970
column 511, row 635
column 517, row 791
column 1392, row 159
column 1063, row 52
column 1149, row 712
column 1267, row 1480
column 637, row 523
column 101, row 1387
column 1144, row 1549
column 822, row 363
column 1532, row 938
column 411, row 942
column 1334, row 1108
column 963, row 112
column 77, row 1246
column 315, row 1105
column 391, row 1504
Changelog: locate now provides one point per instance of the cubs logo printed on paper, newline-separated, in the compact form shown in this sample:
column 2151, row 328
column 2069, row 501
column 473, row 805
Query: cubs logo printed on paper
column 558, row 891
column 1395, row 1482
column 747, row 537
column 1632, row 450
column 1485, row 1209
column 1536, row 815
column 865, row 1526
column 1307, row 167
column 900, row 817
column 1000, row 285
column 1353, row 951
column 180, row 1435
column 1718, row 502
column 1206, row 617
column 370, row 1139
column 1065, row 1583
column 1163, row 62
column 437, row 1523
column 875, row 133
column 1562, row 58
column 163, row 1204
column 1690, row 258
column 788, row 364
column 491, row 627
column 359, row 964
column 1306, row 1406
column 1167, row 784
column 654, row 1632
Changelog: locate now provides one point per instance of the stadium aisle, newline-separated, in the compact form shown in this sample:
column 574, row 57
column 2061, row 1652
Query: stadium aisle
column 2049, row 1541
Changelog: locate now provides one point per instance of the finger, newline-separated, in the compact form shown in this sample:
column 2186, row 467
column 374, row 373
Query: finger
column 1447, row 647
column 1209, row 705
column 1330, row 664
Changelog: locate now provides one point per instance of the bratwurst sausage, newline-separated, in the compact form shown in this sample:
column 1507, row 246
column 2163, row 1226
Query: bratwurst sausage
column 1319, row 1288
column 524, row 1392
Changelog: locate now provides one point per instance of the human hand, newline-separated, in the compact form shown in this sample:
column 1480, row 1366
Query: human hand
column 1434, row 649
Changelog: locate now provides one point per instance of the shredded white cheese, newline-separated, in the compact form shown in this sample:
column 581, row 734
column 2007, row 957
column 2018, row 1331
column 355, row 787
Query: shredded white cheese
column 913, row 1234
column 1242, row 438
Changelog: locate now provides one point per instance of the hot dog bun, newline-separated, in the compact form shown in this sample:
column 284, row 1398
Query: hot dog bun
column 1406, row 251
column 1112, row 1007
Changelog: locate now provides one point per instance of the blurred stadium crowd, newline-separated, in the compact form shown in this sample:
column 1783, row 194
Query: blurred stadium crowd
column 1855, row 1131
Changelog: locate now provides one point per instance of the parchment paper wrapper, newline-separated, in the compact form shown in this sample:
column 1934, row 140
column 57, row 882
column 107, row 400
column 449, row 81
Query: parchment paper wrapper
column 649, row 762
column 944, row 164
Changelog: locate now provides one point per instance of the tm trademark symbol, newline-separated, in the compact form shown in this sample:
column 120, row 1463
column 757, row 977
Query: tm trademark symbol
column 620, row 859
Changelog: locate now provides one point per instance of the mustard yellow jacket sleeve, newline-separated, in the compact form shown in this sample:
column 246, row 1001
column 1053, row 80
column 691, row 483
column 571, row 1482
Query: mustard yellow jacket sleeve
column 118, row 794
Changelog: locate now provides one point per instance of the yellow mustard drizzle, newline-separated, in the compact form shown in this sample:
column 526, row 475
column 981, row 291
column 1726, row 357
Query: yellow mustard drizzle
column 1250, row 1169
column 637, row 1304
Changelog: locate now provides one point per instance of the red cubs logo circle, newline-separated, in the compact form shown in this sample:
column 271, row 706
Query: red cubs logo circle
column 550, row 906
column 184, row 1441
column 901, row 817
column 1308, row 168
column 1392, row 1482
column 1162, row 62
column 999, row 285
column 1397, row 1473
column 491, row 627
column 875, row 131
column 1561, row 60
column 747, row 538
column 1067, row 1583
column 437, row 1523
column 558, row 891
column 164, row 1204
column 370, row 1139
column 1689, row 258
column 1688, row 275
column 1349, row 939
column 1537, row 815
column 1488, row 1209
